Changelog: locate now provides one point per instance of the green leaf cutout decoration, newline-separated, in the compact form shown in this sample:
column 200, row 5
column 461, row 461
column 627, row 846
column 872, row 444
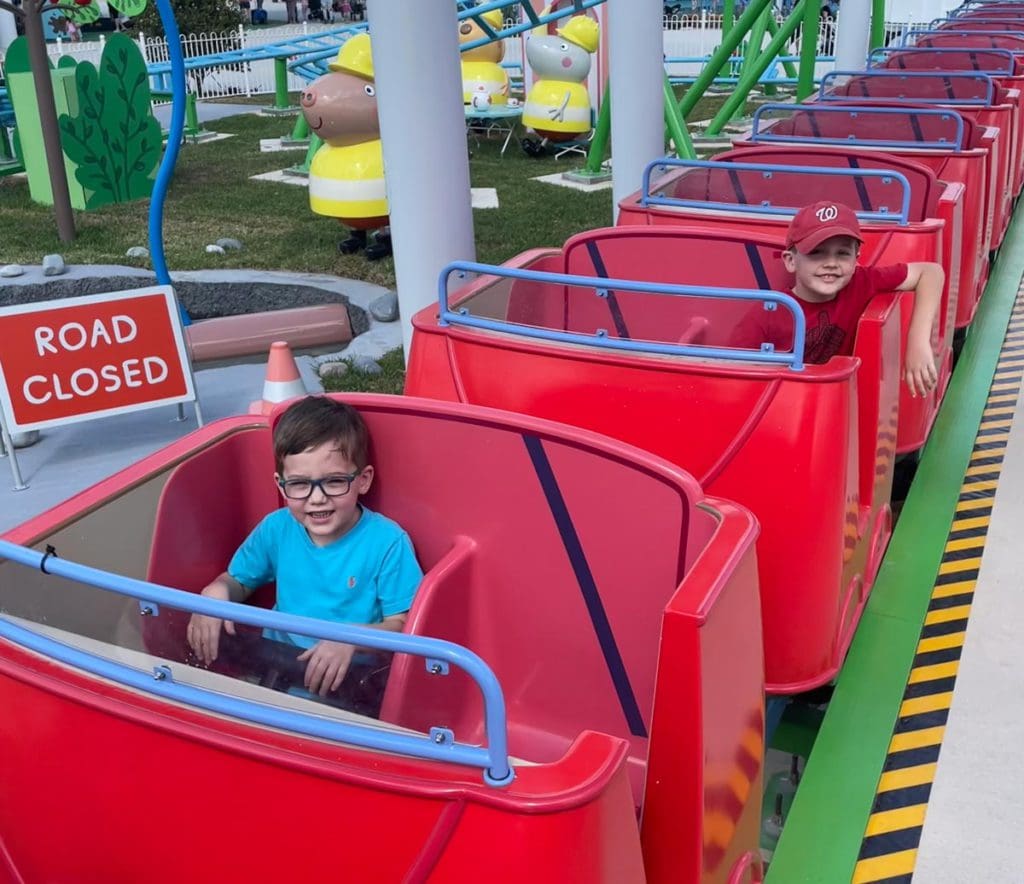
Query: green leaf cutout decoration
column 114, row 138
column 84, row 15
column 130, row 8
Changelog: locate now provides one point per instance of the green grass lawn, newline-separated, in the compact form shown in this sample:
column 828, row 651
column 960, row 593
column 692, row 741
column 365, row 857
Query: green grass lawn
column 212, row 196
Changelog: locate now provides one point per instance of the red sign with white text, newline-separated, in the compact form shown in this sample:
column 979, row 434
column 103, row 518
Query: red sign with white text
column 80, row 358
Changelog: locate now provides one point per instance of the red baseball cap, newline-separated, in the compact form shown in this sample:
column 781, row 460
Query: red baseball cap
column 813, row 224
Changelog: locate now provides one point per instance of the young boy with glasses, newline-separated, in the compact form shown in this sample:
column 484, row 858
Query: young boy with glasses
column 332, row 558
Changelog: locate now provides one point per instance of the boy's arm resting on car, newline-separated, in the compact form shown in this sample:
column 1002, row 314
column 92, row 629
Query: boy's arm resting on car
column 204, row 632
column 926, row 278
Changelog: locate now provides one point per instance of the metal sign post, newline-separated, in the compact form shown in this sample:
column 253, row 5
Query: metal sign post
column 7, row 449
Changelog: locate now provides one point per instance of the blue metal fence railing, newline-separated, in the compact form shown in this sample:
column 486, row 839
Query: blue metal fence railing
column 313, row 64
column 879, row 55
column 1015, row 31
column 984, row 82
column 855, row 112
column 605, row 288
column 768, row 170
column 438, row 745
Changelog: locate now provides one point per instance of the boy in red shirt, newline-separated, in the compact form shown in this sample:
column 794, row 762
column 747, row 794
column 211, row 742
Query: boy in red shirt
column 821, row 252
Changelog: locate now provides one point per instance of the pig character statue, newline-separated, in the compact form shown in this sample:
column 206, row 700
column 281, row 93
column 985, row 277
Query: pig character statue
column 346, row 177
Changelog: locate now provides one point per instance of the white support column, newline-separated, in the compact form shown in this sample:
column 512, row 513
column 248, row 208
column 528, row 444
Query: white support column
column 637, row 71
column 7, row 30
column 853, row 31
column 423, row 127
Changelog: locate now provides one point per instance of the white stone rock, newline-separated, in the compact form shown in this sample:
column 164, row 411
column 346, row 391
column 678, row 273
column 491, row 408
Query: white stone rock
column 385, row 308
column 332, row 369
column 53, row 265
column 229, row 244
column 366, row 365
column 137, row 252
column 215, row 250
column 26, row 439
column 11, row 270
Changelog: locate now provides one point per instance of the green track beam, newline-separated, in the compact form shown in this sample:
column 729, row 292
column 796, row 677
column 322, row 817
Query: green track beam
column 877, row 24
column 824, row 831
column 787, row 66
column 808, row 49
column 676, row 125
column 751, row 75
column 721, row 55
column 602, row 132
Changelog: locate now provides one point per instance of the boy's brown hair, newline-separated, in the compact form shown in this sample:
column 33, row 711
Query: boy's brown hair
column 315, row 420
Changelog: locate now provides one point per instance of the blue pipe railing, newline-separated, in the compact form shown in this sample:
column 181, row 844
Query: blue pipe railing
column 603, row 288
column 757, row 133
column 439, row 745
column 768, row 170
column 878, row 55
column 984, row 80
column 174, row 137
column 310, row 62
column 913, row 35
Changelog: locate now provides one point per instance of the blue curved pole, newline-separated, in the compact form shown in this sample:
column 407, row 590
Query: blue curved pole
column 174, row 136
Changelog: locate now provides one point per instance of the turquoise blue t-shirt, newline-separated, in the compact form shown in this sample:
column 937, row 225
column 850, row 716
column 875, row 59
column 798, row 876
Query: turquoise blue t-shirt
column 368, row 574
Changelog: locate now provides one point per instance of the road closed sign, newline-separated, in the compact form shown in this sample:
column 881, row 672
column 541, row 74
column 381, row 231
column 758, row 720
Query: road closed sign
column 82, row 358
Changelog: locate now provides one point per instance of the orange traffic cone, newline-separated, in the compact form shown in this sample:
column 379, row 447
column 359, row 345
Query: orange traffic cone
column 283, row 380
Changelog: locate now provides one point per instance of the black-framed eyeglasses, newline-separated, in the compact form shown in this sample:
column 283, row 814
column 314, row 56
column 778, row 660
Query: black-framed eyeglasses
column 332, row 486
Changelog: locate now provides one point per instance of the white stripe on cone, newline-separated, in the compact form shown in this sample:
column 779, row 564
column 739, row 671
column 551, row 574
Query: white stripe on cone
column 275, row 391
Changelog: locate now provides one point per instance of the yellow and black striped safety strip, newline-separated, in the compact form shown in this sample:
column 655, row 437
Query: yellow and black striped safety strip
column 889, row 849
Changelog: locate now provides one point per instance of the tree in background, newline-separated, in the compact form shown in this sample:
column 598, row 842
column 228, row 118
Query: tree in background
column 29, row 13
column 194, row 17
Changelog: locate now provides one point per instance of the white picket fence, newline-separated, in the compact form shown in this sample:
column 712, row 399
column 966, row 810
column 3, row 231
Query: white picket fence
column 236, row 78
column 691, row 37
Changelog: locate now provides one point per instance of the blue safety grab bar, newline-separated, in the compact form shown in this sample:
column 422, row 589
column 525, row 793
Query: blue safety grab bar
column 992, row 33
column 887, row 74
column 605, row 287
column 768, row 170
column 853, row 111
column 933, row 25
column 439, row 745
column 880, row 53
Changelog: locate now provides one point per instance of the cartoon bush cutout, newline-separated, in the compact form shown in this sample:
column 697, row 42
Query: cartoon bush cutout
column 88, row 11
column 114, row 139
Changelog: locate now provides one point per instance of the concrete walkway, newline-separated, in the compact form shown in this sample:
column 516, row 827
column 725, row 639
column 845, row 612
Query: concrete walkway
column 977, row 798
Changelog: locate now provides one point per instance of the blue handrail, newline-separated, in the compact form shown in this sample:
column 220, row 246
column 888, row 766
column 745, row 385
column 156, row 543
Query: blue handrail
column 984, row 79
column 853, row 111
column 602, row 288
column 174, row 136
column 309, row 63
column 915, row 34
column 768, row 170
column 879, row 54
column 440, row 745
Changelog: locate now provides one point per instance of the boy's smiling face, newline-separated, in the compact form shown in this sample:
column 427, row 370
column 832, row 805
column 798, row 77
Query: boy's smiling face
column 326, row 519
column 825, row 270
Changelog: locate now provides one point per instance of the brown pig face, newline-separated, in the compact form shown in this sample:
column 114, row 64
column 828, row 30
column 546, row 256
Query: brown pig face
column 341, row 109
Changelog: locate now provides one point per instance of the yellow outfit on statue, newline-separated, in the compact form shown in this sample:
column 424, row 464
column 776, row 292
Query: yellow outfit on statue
column 548, row 95
column 348, row 182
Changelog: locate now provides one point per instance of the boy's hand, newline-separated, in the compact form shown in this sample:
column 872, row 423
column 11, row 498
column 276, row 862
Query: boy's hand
column 203, row 632
column 326, row 667
column 919, row 371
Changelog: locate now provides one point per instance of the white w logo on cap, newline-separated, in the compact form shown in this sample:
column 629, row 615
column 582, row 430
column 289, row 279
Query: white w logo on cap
column 827, row 213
